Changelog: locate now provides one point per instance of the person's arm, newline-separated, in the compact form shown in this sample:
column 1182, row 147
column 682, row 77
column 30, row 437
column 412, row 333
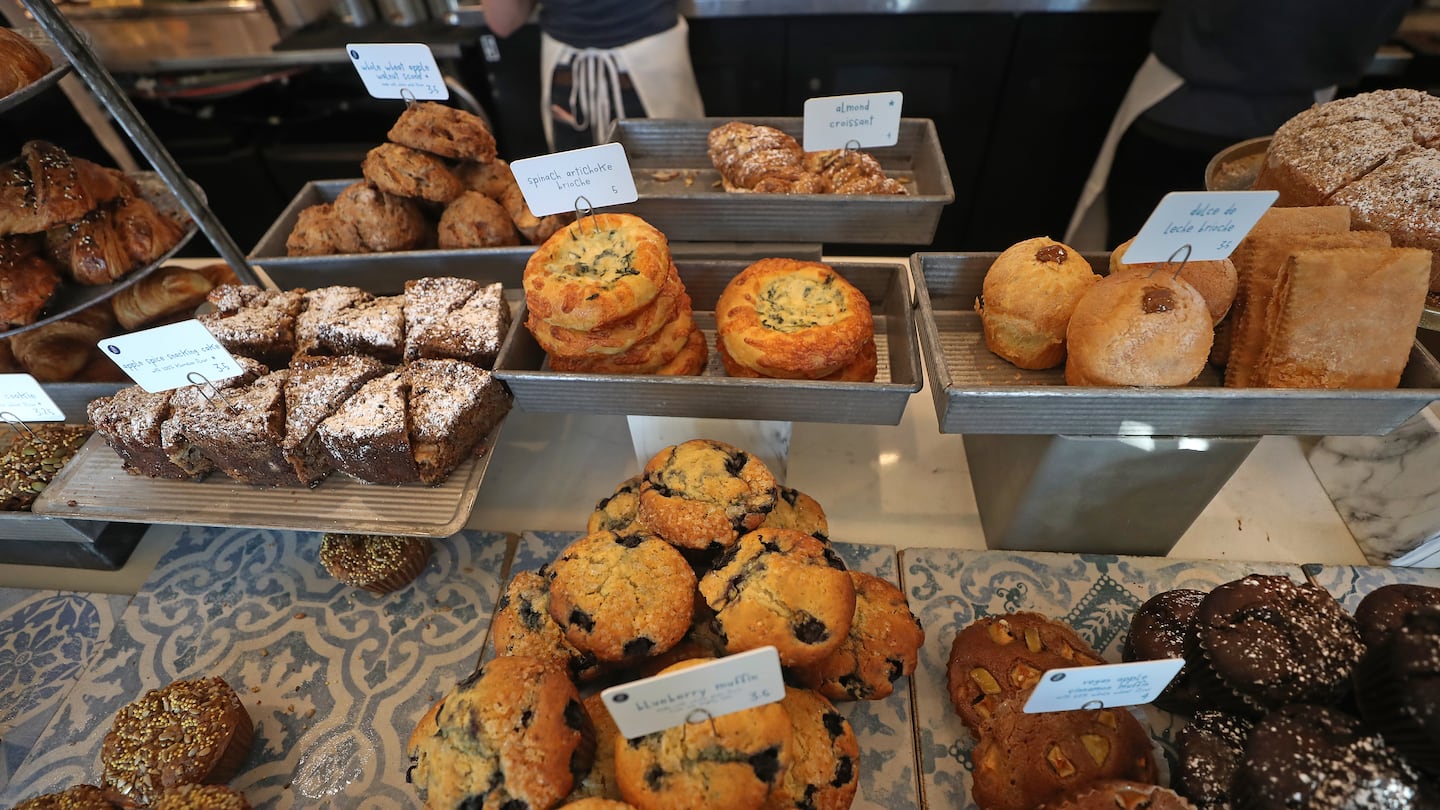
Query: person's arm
column 504, row 17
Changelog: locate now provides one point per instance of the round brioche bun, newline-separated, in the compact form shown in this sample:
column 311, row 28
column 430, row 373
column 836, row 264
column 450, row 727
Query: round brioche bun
column 1215, row 280
column 1137, row 330
column 1026, row 300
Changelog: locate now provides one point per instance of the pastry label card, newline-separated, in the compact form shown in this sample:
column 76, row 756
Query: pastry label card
column 22, row 399
column 1103, row 686
column 697, row 694
column 856, row 121
column 1210, row 223
column 399, row 70
column 580, row 180
column 171, row 356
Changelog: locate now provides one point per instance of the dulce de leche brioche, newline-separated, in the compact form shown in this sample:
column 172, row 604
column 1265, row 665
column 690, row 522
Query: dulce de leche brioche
column 1026, row 300
column 1215, row 280
column 1142, row 330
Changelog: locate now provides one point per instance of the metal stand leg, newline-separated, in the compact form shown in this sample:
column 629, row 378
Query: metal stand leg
column 1097, row 494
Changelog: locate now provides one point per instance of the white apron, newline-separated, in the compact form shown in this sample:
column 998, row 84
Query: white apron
column 658, row 65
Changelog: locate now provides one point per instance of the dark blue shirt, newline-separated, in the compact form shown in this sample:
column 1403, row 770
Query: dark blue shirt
column 605, row 23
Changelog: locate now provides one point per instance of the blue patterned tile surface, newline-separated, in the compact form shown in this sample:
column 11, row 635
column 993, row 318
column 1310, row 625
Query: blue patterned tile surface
column 334, row 677
column 1350, row 583
column 1095, row 594
column 884, row 728
column 46, row 640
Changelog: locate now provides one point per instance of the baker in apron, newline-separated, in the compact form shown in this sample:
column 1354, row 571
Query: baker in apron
column 603, row 60
column 1220, row 71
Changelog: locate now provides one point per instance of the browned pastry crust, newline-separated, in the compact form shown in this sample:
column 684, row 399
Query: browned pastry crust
column 596, row 271
column 201, row 797
column 441, row 130
column 758, row 158
column 473, row 220
column 847, row 171
column 146, row 233
column 616, row 337
column 1138, row 330
column 862, row 368
column 91, row 250
column 1401, row 198
column 21, row 62
column 1217, row 281
column 1027, row 298
column 490, row 179
column 645, row 357
column 691, row 360
column 406, row 172
column 170, row 290
column 57, row 351
column 40, row 190
column 319, row 232
column 104, row 184
column 28, row 280
column 385, row 222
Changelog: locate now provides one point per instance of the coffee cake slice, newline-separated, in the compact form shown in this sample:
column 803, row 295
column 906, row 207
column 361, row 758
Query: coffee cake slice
column 453, row 405
column 242, row 431
column 317, row 386
column 317, row 307
column 471, row 332
column 428, row 299
column 130, row 421
column 253, row 322
column 368, row 436
column 375, row 328
column 184, row 453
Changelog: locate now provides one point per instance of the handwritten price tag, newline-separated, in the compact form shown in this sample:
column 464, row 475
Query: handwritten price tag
column 726, row 685
column 22, row 397
column 867, row 119
column 1103, row 686
column 1212, row 223
column 171, row 356
column 399, row 70
column 552, row 183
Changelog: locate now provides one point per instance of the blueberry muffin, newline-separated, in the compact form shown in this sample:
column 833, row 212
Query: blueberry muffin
column 1398, row 688
column 784, row 588
column 1161, row 629
column 1120, row 794
column 597, row 804
column 1208, row 751
column 1317, row 757
column 599, row 782
column 514, row 734
column 79, row 797
column 1383, row 609
column 996, row 661
column 824, row 772
column 1273, row 641
column 618, row 512
column 881, row 648
column 379, row 564
column 703, row 492
column 732, row 761
column 622, row 597
column 796, row 510
column 523, row 626
column 188, row 731
column 201, row 797
column 1025, row 760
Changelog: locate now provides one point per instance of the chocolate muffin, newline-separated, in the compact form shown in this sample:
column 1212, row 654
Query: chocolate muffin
column 1383, row 609
column 1308, row 756
column 1274, row 641
column 1208, row 751
column 1398, row 688
column 1159, row 630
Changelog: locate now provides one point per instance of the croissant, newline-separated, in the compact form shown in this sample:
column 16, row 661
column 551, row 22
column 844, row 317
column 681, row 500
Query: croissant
column 92, row 251
column 27, row 280
column 21, row 62
column 102, row 184
column 58, row 351
column 40, row 190
column 146, row 233
column 167, row 291
column 759, row 158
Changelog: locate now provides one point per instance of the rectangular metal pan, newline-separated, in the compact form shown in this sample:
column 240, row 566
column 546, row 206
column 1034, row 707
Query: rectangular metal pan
column 977, row 392
column 522, row 365
column 702, row 210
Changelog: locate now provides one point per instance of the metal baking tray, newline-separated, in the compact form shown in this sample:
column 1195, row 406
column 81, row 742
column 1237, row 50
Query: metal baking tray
column 703, row 211
column 522, row 365
column 977, row 392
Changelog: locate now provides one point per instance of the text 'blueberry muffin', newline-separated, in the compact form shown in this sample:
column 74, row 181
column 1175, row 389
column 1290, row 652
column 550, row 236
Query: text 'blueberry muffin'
column 704, row 493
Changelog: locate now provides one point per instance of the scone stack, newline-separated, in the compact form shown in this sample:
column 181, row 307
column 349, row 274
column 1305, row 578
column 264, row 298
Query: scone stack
column 604, row 297
column 436, row 182
column 390, row 389
column 703, row 555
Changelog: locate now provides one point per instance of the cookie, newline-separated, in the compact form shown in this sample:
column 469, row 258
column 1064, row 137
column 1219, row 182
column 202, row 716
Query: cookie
column 796, row 510
column 732, row 761
column 881, row 648
column 622, row 597
column 522, row 626
column 513, row 734
column 618, row 512
column 825, row 769
column 596, row 271
column 996, row 661
column 1119, row 794
column 79, row 797
column 1208, row 751
column 1161, row 628
column 379, row 564
column 781, row 587
column 704, row 493
column 445, row 131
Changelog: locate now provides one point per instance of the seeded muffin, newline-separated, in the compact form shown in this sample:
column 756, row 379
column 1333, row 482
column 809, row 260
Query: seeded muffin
column 378, row 563
column 1025, row 760
column 1317, row 757
column 523, row 626
column 201, row 797
column 996, row 661
column 1208, row 751
column 1161, row 629
column 79, row 797
column 881, row 648
column 622, row 597
column 513, row 734
column 732, row 761
column 1274, row 641
column 188, row 731
column 824, row 772
column 1384, row 609
column 704, row 493
column 618, row 512
column 796, row 510
column 1121, row 794
column 781, row 587
column 1398, row 688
